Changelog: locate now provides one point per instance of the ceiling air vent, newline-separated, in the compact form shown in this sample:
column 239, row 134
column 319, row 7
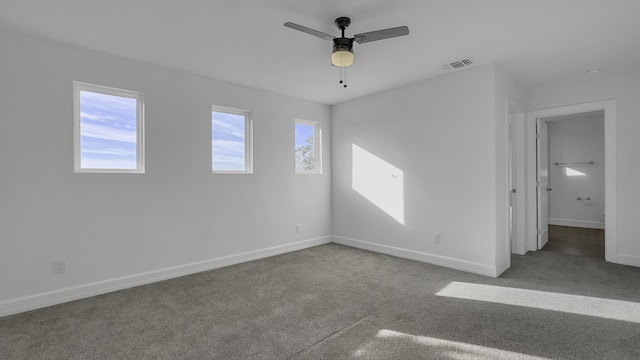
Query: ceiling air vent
column 459, row 64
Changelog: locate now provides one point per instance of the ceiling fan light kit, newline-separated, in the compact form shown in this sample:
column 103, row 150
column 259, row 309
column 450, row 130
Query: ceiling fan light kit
column 342, row 55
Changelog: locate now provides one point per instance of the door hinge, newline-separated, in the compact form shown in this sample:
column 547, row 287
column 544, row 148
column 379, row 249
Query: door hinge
column 538, row 136
column 539, row 231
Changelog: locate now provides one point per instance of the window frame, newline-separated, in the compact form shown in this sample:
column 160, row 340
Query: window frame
column 248, row 139
column 79, row 87
column 317, row 149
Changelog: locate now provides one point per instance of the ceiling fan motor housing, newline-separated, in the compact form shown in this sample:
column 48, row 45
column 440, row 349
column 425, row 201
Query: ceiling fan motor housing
column 343, row 44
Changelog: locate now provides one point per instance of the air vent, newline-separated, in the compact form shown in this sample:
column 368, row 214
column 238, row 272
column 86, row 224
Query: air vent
column 459, row 64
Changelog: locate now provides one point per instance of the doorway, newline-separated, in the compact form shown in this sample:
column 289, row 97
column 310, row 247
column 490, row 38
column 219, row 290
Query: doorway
column 571, row 191
column 532, row 230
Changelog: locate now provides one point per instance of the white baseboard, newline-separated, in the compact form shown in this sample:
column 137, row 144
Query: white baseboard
column 448, row 262
column 32, row 302
column 504, row 266
column 577, row 223
column 628, row 260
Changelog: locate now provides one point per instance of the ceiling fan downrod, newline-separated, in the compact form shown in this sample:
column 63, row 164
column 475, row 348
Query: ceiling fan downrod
column 342, row 23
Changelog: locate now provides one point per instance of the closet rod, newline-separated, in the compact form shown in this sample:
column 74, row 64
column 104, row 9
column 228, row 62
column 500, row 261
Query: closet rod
column 574, row 163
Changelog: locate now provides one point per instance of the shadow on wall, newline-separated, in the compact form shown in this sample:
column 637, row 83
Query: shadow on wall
column 379, row 182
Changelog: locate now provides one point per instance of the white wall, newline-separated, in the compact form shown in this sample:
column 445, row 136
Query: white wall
column 577, row 140
column 116, row 230
column 505, row 88
column 440, row 137
column 626, row 89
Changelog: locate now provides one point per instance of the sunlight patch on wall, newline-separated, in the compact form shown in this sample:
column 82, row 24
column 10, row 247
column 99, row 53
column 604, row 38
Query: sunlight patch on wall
column 395, row 344
column 567, row 303
column 379, row 182
column 574, row 172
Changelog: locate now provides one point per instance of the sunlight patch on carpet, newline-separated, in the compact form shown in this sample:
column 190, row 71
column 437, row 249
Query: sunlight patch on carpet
column 545, row 300
column 408, row 345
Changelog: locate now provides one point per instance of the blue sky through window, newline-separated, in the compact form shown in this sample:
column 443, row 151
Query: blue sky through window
column 306, row 147
column 108, row 131
column 302, row 134
column 228, row 141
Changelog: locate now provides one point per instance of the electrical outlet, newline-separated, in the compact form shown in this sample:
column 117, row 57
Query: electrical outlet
column 436, row 238
column 298, row 228
column 59, row 266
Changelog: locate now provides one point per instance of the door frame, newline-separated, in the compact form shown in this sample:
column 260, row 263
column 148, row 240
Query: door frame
column 609, row 107
column 516, row 116
column 542, row 182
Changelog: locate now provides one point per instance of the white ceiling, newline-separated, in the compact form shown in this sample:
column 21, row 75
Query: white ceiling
column 245, row 42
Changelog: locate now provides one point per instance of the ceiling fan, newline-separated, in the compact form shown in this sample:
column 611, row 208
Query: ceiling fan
column 342, row 55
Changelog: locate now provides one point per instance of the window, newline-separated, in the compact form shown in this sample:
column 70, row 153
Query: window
column 231, row 141
column 108, row 129
column 308, row 147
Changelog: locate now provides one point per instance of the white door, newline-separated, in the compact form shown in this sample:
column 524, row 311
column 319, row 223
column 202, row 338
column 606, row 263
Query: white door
column 543, row 184
column 512, row 187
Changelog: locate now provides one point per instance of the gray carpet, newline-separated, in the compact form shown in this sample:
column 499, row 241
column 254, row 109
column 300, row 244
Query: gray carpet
column 336, row 302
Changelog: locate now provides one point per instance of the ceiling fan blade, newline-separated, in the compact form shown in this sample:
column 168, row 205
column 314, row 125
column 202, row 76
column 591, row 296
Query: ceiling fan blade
column 309, row 31
column 381, row 34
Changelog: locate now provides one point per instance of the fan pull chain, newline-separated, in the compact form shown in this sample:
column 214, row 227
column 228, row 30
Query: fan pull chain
column 343, row 76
